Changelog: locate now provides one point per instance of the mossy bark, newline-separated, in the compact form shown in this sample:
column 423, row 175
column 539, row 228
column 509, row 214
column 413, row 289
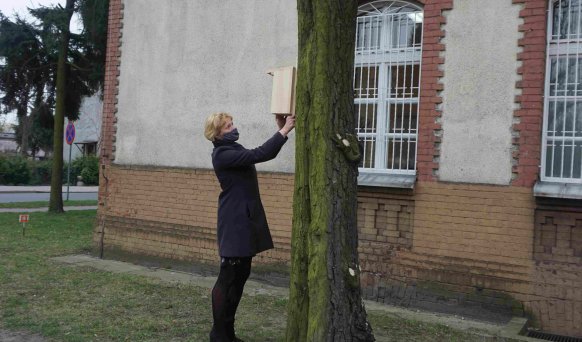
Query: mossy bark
column 325, row 298
column 56, row 198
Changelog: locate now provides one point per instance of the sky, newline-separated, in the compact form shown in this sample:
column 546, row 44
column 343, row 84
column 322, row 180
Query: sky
column 9, row 7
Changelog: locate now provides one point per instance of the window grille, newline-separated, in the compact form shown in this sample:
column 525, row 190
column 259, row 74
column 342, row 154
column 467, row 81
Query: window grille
column 387, row 85
column 562, row 131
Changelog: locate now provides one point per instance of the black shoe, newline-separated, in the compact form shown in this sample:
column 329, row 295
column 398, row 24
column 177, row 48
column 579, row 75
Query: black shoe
column 214, row 337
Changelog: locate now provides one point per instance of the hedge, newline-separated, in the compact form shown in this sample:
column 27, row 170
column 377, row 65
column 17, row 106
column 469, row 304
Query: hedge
column 16, row 170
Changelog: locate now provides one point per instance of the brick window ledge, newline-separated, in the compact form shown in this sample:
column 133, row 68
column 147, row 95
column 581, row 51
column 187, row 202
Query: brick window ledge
column 558, row 190
column 386, row 180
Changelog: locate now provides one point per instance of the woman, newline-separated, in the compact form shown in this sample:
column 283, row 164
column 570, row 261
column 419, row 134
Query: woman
column 242, row 226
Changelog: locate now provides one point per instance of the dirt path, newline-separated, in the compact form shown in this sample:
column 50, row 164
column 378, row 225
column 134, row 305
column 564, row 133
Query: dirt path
column 19, row 336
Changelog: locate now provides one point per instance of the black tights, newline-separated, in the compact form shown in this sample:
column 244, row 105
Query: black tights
column 226, row 295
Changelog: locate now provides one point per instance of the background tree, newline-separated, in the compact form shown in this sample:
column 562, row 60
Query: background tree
column 40, row 129
column 62, row 21
column 24, row 74
column 325, row 298
column 46, row 73
column 80, row 70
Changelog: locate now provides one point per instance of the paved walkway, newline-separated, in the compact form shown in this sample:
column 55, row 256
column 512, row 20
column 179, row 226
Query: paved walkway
column 46, row 188
column 253, row 288
column 44, row 209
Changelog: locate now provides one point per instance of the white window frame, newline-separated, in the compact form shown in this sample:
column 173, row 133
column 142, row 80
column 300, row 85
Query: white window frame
column 561, row 48
column 387, row 56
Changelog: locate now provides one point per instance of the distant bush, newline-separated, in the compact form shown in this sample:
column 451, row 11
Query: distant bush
column 88, row 168
column 14, row 170
column 41, row 171
column 3, row 169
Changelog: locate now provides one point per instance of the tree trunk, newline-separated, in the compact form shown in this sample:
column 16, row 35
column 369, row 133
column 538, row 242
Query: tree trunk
column 56, row 200
column 25, row 125
column 325, row 298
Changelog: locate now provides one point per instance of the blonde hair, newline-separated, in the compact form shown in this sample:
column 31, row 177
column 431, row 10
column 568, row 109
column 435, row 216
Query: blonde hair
column 214, row 124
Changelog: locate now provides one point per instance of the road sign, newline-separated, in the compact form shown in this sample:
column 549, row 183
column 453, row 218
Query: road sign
column 70, row 133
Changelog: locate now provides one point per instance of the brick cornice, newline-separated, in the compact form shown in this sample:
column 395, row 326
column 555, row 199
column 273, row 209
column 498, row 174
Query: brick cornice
column 528, row 117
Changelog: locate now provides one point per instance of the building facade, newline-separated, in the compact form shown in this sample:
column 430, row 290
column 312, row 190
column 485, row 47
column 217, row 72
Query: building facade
column 470, row 186
column 87, row 129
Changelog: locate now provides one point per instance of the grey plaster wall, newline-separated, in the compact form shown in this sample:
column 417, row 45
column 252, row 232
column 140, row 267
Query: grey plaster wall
column 480, row 73
column 184, row 61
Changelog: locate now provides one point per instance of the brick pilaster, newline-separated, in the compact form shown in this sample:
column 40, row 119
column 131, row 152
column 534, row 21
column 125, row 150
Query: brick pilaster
column 112, row 61
column 429, row 127
column 528, row 117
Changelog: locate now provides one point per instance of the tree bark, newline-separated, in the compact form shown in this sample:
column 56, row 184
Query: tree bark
column 325, row 298
column 56, row 199
column 25, row 124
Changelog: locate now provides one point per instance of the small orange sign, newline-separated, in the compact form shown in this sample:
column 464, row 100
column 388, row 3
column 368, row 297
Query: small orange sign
column 23, row 219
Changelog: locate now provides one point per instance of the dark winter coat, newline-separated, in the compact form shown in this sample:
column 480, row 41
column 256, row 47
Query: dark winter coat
column 242, row 224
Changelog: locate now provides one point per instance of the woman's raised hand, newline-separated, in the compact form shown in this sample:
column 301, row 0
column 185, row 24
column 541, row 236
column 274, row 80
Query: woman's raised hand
column 286, row 124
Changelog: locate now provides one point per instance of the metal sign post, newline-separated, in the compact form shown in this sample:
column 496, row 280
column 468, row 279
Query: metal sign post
column 70, row 136
column 23, row 219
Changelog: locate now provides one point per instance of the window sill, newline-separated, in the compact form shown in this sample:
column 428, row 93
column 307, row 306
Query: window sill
column 558, row 190
column 386, row 180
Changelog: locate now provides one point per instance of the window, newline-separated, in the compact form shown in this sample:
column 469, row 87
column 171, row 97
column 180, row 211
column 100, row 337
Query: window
column 387, row 85
column 90, row 149
column 562, row 131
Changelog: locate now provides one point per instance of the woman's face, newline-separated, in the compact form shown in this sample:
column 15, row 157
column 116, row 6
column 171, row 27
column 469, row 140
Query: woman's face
column 228, row 127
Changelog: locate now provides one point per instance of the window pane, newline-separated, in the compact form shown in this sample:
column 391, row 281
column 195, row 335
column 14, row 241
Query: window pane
column 368, row 33
column 369, row 145
column 566, row 19
column 405, row 81
column 405, row 30
column 366, row 118
column 403, row 118
column 366, row 82
column 564, row 159
column 565, row 119
column 556, row 161
column 401, row 154
column 565, row 76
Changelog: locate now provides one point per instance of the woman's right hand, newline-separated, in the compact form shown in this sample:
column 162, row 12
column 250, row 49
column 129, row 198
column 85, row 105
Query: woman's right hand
column 288, row 126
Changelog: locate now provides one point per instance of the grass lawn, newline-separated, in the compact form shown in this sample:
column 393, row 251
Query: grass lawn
column 81, row 304
column 43, row 204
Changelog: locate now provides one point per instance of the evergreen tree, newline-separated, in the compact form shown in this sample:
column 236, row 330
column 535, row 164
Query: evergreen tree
column 24, row 73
